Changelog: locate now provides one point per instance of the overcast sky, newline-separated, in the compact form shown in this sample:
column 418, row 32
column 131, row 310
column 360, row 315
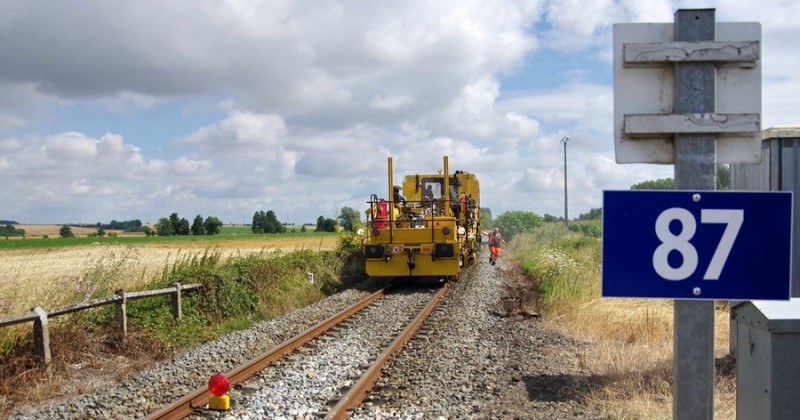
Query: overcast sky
column 134, row 109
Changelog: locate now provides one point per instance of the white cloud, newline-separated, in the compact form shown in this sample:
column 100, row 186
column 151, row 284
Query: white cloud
column 11, row 145
column 315, row 97
column 77, row 147
column 79, row 187
column 187, row 166
column 10, row 122
column 392, row 102
column 129, row 102
column 71, row 146
column 240, row 131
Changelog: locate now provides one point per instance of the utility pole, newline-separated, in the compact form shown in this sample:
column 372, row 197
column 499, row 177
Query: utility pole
column 564, row 141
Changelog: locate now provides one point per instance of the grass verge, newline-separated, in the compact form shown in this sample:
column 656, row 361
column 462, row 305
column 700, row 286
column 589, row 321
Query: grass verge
column 630, row 351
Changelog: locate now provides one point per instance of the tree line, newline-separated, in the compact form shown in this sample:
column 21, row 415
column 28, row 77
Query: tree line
column 267, row 222
column 9, row 230
column 134, row 225
column 172, row 225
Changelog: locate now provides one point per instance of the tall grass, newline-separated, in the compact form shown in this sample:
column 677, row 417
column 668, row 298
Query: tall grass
column 565, row 265
column 631, row 339
column 58, row 279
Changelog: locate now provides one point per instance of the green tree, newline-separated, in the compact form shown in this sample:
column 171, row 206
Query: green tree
column 197, row 226
column 331, row 225
column 303, row 229
column 267, row 223
column 723, row 181
column 272, row 224
column 349, row 219
column 593, row 214
column 326, row 225
column 512, row 223
column 258, row 222
column 147, row 231
column 486, row 217
column 212, row 225
column 66, row 232
column 549, row 218
column 101, row 232
column 10, row 230
column 183, row 227
column 723, row 177
column 659, row 184
column 164, row 227
column 176, row 223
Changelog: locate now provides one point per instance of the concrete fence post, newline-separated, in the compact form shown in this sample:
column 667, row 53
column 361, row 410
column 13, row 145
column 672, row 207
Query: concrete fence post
column 121, row 314
column 177, row 313
column 41, row 336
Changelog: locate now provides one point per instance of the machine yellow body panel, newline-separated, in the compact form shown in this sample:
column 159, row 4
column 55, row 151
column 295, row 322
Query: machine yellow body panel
column 426, row 232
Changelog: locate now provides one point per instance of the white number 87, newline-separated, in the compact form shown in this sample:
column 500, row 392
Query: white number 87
column 733, row 220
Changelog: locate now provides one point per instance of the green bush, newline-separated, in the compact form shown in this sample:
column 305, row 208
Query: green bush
column 243, row 290
column 593, row 230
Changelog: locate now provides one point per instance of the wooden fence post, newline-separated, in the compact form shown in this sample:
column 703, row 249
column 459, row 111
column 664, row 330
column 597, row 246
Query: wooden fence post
column 41, row 336
column 177, row 313
column 121, row 314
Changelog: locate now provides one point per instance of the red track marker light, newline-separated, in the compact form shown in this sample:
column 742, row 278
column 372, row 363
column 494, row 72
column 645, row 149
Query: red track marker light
column 219, row 384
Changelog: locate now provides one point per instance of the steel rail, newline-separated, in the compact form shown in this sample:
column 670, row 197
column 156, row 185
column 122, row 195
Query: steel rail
column 199, row 397
column 359, row 391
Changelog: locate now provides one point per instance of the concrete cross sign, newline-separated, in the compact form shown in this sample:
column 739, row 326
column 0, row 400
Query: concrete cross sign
column 644, row 123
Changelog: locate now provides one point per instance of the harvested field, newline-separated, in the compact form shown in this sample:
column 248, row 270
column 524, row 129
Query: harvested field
column 50, row 277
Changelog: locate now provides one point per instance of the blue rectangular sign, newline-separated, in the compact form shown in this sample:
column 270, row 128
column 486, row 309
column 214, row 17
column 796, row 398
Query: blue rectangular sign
column 697, row 245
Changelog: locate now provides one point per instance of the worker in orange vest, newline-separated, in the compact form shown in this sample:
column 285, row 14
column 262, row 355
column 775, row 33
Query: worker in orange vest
column 495, row 239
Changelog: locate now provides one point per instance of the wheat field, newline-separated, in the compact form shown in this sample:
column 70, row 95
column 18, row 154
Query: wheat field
column 57, row 276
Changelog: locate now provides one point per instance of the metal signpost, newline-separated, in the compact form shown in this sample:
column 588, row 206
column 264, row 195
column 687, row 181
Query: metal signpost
column 678, row 88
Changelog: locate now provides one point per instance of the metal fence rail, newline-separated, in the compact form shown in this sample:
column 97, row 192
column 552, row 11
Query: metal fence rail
column 41, row 334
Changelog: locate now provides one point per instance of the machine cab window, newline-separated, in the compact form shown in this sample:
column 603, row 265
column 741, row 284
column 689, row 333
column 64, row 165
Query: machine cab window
column 431, row 188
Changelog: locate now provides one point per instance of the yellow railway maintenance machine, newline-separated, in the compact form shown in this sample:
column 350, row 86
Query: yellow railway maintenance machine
column 432, row 231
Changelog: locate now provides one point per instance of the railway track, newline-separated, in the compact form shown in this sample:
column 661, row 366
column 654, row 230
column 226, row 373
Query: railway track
column 469, row 361
column 366, row 327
